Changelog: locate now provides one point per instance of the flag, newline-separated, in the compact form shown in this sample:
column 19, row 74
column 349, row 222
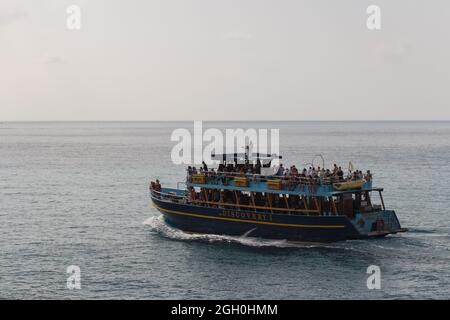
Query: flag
column 350, row 166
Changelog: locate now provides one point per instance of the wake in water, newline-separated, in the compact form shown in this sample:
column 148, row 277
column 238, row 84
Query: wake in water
column 158, row 225
column 441, row 232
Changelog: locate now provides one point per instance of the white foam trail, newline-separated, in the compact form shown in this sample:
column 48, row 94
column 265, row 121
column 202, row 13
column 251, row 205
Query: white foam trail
column 247, row 233
column 158, row 225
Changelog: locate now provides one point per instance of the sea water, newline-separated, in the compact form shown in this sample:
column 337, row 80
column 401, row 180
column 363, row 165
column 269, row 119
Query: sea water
column 77, row 194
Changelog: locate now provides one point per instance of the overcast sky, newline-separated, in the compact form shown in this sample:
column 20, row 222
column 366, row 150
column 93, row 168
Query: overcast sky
column 224, row 60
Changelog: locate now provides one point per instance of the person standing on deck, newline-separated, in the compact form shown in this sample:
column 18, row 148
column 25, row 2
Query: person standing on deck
column 368, row 176
column 258, row 167
column 340, row 174
column 335, row 169
column 280, row 170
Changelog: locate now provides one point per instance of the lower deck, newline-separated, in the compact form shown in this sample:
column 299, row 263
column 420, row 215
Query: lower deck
column 205, row 216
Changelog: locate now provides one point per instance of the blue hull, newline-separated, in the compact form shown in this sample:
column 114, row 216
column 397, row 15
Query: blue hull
column 234, row 222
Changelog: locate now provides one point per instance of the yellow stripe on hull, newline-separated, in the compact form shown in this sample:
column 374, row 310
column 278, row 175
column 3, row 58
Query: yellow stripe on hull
column 251, row 221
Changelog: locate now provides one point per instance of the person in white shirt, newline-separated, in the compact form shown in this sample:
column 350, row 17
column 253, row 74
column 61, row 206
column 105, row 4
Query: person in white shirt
column 286, row 172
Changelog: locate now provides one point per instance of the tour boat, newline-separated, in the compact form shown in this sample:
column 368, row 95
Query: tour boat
column 294, row 208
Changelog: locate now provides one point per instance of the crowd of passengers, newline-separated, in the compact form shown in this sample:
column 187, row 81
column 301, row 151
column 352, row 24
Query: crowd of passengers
column 229, row 199
column 313, row 174
column 155, row 185
column 215, row 197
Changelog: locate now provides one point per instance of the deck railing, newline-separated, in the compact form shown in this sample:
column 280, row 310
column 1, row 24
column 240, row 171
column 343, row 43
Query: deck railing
column 168, row 196
column 289, row 182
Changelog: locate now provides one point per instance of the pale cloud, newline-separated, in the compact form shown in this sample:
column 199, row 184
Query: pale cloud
column 237, row 35
column 396, row 52
column 223, row 59
column 7, row 18
column 55, row 60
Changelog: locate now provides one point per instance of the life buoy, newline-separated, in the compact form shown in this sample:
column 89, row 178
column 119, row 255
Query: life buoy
column 380, row 224
column 361, row 222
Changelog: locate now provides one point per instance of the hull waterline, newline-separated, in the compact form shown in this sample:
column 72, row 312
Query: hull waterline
column 200, row 219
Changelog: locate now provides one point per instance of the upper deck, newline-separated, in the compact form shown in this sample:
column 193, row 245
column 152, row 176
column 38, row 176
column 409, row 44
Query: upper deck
column 289, row 185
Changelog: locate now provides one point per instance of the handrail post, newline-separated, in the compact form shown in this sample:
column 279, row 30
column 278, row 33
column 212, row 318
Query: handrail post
column 382, row 201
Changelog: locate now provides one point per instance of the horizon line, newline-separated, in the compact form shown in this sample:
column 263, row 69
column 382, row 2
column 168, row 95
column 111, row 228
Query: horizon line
column 192, row 120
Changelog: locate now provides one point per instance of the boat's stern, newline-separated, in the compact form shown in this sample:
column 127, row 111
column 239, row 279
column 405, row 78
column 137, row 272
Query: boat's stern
column 379, row 223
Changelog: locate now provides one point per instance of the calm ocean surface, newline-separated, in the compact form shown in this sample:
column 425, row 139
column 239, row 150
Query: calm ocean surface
column 76, row 194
